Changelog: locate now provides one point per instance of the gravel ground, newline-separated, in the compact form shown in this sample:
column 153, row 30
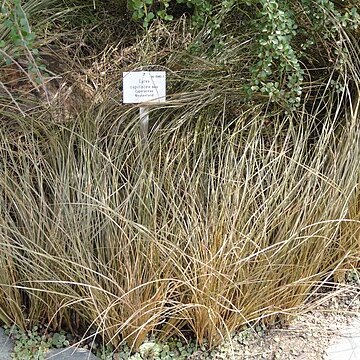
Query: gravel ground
column 306, row 338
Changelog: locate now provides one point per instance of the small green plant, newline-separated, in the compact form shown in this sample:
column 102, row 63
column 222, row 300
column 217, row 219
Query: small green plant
column 106, row 352
column 34, row 343
column 353, row 277
column 152, row 349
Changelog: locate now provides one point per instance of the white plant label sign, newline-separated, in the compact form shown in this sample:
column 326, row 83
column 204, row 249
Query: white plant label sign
column 144, row 86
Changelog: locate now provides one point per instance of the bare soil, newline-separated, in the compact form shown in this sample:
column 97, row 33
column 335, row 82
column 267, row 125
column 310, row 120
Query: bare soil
column 306, row 338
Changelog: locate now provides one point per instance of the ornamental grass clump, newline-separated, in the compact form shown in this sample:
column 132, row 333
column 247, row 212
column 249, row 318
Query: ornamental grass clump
column 235, row 210
column 210, row 226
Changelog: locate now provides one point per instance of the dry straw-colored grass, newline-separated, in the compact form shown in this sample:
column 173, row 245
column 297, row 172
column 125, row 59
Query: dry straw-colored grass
column 207, row 228
column 229, row 214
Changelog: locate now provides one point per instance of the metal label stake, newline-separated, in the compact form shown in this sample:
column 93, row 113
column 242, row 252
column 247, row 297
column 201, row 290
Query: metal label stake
column 144, row 87
column 144, row 124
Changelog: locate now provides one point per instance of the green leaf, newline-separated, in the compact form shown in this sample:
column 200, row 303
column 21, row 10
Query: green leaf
column 150, row 16
column 30, row 37
column 8, row 23
column 135, row 4
column 25, row 24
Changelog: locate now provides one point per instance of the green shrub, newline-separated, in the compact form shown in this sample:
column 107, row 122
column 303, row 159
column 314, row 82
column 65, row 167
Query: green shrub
column 17, row 37
column 289, row 36
column 291, row 33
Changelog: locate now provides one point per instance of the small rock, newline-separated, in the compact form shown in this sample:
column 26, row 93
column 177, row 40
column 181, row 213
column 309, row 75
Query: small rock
column 6, row 346
column 294, row 352
column 276, row 339
column 70, row 354
column 197, row 355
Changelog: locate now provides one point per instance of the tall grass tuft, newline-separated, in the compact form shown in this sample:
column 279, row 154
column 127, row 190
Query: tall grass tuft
column 232, row 212
column 211, row 225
